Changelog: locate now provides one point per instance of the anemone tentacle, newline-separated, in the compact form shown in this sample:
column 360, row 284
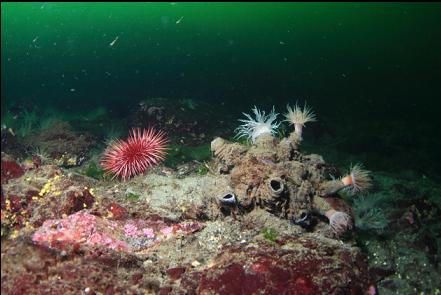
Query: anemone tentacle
column 262, row 124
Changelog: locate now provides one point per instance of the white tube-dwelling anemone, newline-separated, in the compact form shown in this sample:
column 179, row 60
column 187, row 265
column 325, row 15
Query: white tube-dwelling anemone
column 253, row 128
column 357, row 180
column 298, row 117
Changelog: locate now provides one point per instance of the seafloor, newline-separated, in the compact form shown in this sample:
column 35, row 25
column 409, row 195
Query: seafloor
column 67, row 228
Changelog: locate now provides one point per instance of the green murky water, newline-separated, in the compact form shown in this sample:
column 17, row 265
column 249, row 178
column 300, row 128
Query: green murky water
column 371, row 71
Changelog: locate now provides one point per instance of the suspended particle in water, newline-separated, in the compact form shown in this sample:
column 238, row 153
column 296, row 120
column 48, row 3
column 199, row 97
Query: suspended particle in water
column 114, row 41
column 179, row 20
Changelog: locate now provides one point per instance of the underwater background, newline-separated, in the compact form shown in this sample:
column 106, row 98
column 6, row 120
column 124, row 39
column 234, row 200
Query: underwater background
column 76, row 76
column 371, row 71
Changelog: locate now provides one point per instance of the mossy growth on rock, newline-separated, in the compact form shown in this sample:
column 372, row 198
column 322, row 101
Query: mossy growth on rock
column 270, row 234
column 4, row 231
column 94, row 171
column 132, row 196
column 202, row 169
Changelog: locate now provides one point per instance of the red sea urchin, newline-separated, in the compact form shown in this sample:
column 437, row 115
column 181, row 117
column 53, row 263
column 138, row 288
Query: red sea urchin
column 142, row 149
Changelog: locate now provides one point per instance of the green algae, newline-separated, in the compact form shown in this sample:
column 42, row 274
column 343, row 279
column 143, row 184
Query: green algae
column 180, row 154
column 132, row 196
column 94, row 171
column 202, row 169
column 270, row 234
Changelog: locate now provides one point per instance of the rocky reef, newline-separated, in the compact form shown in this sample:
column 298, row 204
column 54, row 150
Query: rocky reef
column 264, row 218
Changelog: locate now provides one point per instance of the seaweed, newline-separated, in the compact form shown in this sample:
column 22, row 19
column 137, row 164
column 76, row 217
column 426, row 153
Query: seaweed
column 4, row 231
column 202, row 169
column 28, row 123
column 368, row 214
column 132, row 196
column 8, row 120
column 114, row 132
column 189, row 103
column 270, row 234
column 94, row 171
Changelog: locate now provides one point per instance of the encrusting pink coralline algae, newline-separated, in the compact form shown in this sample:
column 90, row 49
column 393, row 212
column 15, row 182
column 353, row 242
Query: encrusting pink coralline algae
column 86, row 229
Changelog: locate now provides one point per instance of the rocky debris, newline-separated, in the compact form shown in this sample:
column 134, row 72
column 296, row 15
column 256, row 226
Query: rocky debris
column 307, row 264
column 30, row 269
column 411, row 241
column 60, row 144
column 44, row 193
column 393, row 261
column 11, row 144
column 10, row 169
column 294, row 265
column 193, row 197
